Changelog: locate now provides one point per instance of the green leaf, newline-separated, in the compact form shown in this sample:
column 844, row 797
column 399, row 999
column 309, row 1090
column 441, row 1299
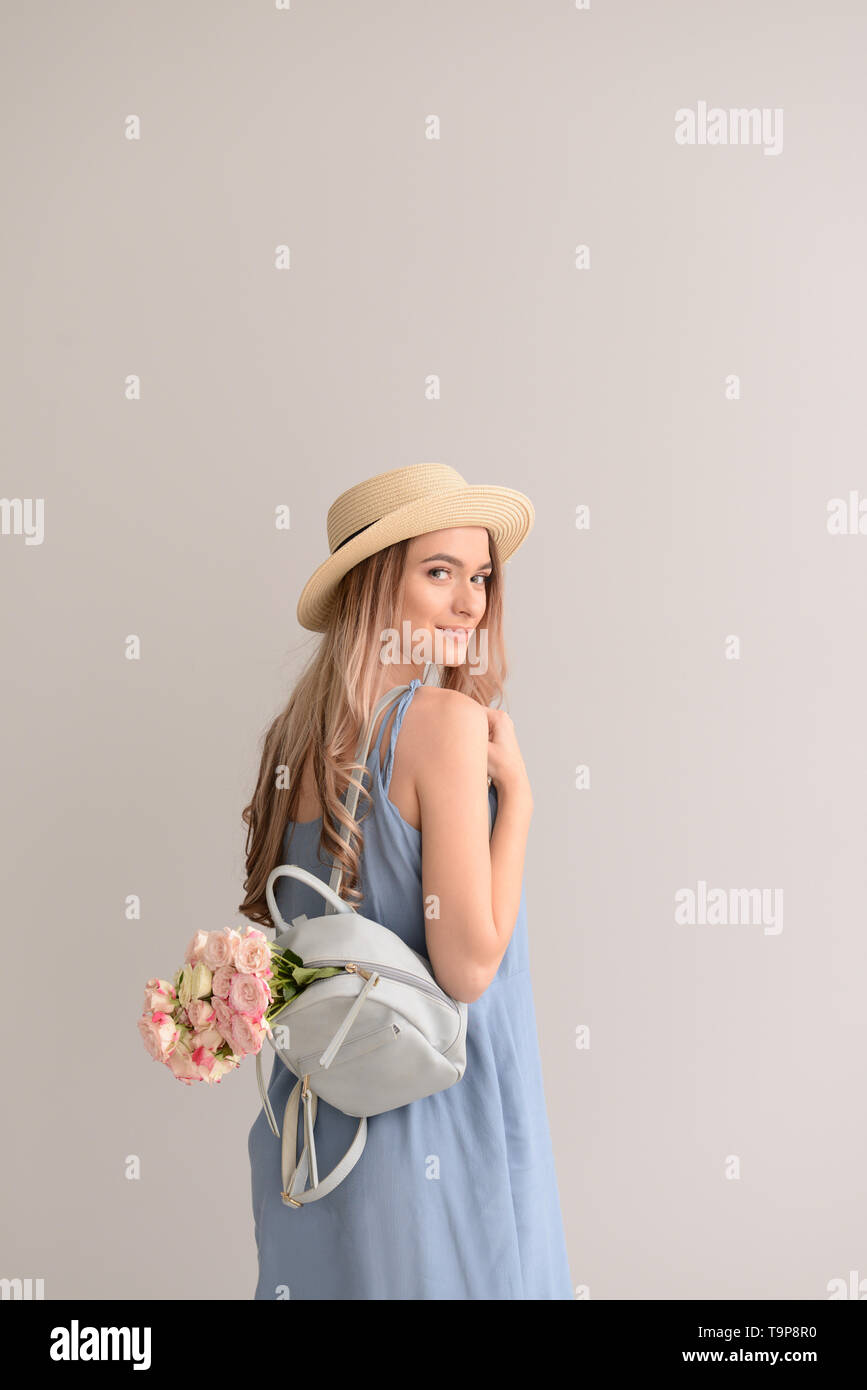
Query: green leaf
column 289, row 956
column 303, row 977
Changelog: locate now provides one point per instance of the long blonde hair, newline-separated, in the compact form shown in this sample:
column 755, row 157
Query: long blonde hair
column 330, row 705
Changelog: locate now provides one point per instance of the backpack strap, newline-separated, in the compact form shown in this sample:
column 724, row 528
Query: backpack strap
column 294, row 1169
column 352, row 791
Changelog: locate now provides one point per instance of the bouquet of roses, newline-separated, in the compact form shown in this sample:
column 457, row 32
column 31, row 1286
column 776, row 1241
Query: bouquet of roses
column 218, row 1007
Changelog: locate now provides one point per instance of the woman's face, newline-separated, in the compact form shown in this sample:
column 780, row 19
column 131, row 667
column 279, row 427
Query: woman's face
column 445, row 589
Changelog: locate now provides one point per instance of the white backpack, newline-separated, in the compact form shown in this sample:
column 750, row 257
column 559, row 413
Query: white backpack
column 377, row 1036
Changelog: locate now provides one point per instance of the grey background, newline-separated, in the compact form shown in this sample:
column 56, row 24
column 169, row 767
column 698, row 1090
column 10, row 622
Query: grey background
column 606, row 387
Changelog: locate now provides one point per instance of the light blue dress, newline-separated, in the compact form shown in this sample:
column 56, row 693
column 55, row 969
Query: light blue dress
column 455, row 1196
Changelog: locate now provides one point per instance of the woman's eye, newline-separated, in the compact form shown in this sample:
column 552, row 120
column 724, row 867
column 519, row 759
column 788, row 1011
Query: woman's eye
column 440, row 570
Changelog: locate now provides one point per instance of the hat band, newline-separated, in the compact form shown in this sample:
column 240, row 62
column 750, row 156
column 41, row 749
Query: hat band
column 347, row 539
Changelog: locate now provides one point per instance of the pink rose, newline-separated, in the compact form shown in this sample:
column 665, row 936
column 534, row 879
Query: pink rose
column 159, row 1034
column 194, row 951
column 220, row 948
column 209, row 1037
column 183, row 1066
column 224, row 1018
column 221, row 980
column 204, row 1058
column 220, row 1067
column 200, row 1013
column 246, row 1037
column 249, row 995
column 159, row 994
column 253, row 955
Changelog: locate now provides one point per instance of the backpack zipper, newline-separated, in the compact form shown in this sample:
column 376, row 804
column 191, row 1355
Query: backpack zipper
column 388, row 972
column 362, row 1037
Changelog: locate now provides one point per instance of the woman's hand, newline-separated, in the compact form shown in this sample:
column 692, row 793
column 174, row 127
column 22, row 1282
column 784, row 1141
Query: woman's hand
column 505, row 765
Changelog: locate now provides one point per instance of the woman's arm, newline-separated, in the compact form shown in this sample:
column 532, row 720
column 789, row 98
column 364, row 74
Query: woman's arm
column 471, row 884
column 514, row 812
column 508, row 847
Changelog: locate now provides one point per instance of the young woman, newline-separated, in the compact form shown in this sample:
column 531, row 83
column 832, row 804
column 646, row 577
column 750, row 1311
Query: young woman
column 455, row 1195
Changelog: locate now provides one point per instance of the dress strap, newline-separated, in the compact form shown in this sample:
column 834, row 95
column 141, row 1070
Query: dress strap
column 401, row 709
column 377, row 743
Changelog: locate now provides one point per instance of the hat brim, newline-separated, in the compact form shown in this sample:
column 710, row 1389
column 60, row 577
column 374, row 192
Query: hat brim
column 507, row 514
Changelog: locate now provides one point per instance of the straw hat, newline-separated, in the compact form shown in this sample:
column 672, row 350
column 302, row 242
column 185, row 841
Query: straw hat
column 400, row 504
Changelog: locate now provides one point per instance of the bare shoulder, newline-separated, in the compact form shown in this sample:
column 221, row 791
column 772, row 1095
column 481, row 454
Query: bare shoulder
column 439, row 720
column 442, row 713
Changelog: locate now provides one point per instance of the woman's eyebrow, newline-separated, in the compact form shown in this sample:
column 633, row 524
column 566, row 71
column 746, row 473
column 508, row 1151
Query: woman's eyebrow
column 453, row 560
